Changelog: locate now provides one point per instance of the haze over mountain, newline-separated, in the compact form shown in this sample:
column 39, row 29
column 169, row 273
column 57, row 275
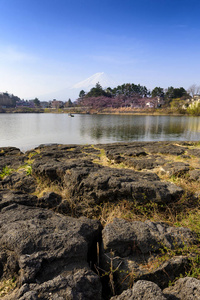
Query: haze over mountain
column 73, row 91
column 104, row 80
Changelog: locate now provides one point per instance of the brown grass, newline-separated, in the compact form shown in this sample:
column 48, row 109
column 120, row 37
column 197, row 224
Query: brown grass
column 6, row 286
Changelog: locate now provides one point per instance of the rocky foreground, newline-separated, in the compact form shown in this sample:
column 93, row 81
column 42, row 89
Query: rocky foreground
column 57, row 237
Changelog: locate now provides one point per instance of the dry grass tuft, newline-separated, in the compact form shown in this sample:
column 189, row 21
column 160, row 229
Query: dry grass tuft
column 45, row 187
column 6, row 286
column 132, row 211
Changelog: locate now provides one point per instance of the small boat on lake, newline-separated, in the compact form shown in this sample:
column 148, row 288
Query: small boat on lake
column 70, row 115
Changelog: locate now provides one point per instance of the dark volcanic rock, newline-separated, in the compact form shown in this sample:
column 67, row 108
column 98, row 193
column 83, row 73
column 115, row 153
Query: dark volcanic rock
column 19, row 181
column 8, row 197
column 124, row 237
column 52, row 170
column 66, row 152
column 98, row 184
column 175, row 168
column 133, row 247
column 142, row 156
column 50, row 200
column 142, row 290
column 53, row 256
column 10, row 151
column 81, row 284
column 166, row 148
column 194, row 175
column 194, row 152
column 184, row 289
column 44, row 247
column 55, row 170
column 54, row 160
column 11, row 157
column 141, row 164
column 144, row 148
column 87, row 181
column 168, row 271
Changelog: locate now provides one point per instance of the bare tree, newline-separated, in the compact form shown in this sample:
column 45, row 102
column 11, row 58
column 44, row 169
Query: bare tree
column 193, row 90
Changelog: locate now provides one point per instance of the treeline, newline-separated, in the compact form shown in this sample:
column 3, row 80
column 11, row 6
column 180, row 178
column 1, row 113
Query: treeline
column 8, row 100
column 129, row 95
column 125, row 95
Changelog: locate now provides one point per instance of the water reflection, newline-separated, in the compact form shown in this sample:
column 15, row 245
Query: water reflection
column 29, row 130
column 144, row 128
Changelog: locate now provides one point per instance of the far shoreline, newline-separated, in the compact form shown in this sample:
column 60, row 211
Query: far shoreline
column 79, row 110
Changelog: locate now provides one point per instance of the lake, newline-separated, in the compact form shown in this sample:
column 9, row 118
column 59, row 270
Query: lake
column 27, row 131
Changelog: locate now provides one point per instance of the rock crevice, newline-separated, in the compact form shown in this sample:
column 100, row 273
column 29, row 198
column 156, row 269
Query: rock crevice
column 53, row 255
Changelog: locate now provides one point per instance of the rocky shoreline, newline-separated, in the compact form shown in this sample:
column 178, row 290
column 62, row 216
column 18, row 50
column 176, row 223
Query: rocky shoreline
column 100, row 222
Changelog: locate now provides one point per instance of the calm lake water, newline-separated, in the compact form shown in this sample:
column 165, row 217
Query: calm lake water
column 27, row 131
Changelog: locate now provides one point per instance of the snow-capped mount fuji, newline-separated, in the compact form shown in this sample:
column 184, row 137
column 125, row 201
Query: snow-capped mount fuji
column 72, row 92
column 104, row 80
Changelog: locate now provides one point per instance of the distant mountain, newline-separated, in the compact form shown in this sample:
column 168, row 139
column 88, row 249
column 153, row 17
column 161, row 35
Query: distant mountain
column 73, row 91
column 104, row 80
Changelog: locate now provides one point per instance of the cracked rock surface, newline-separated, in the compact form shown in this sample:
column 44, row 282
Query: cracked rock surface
column 52, row 245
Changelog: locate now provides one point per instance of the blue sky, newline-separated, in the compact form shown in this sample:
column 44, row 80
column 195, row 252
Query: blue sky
column 49, row 45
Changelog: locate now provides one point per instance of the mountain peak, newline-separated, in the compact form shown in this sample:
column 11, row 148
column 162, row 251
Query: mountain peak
column 86, row 85
column 90, row 82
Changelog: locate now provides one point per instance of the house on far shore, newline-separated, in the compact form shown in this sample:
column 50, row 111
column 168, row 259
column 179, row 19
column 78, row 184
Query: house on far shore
column 44, row 104
column 56, row 104
column 160, row 101
column 195, row 101
column 156, row 102
column 147, row 102
column 150, row 104
column 26, row 103
column 196, row 98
